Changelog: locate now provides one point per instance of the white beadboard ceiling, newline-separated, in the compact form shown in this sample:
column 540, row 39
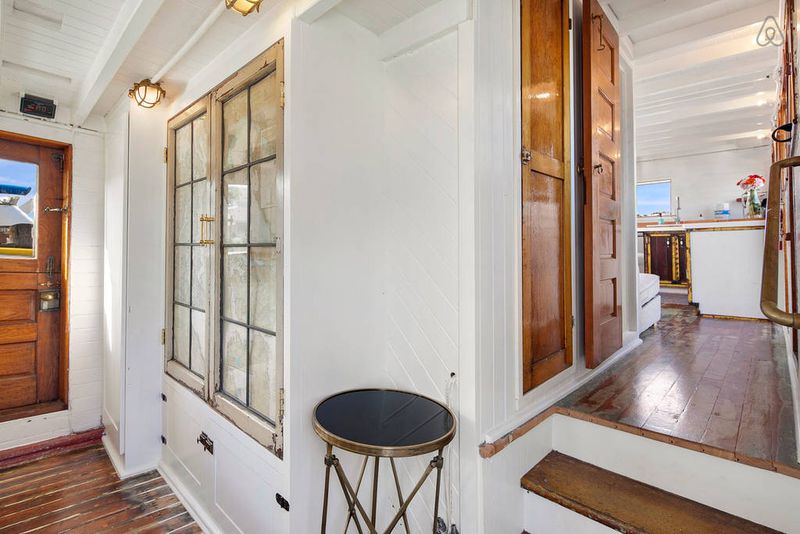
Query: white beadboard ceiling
column 85, row 54
column 380, row 15
column 701, row 82
column 48, row 46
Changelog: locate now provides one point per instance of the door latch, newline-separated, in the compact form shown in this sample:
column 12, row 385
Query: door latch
column 64, row 209
column 206, row 442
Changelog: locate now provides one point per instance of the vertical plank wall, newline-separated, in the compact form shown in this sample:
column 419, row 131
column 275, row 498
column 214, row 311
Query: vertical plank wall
column 86, row 290
column 421, row 138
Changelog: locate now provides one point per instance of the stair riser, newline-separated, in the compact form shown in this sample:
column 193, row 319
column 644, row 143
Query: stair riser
column 762, row 496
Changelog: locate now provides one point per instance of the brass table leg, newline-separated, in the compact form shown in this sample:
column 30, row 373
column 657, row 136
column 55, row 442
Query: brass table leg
column 375, row 491
column 328, row 463
column 439, row 464
column 399, row 494
column 355, row 507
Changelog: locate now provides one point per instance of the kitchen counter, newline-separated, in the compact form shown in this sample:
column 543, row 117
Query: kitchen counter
column 701, row 224
column 723, row 263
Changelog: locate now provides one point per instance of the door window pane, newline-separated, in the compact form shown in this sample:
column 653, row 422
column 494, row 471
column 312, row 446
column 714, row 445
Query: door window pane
column 265, row 108
column 234, row 357
column 190, row 275
column 250, row 261
column 263, row 203
column 263, row 384
column 263, row 287
column 19, row 188
column 234, row 283
column 234, row 207
column 234, row 131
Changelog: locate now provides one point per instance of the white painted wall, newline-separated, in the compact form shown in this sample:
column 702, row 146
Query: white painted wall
column 421, row 148
column 702, row 181
column 86, row 286
column 116, row 186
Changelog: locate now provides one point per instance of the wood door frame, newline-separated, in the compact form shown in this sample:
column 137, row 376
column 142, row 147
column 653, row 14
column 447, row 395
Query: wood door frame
column 66, row 226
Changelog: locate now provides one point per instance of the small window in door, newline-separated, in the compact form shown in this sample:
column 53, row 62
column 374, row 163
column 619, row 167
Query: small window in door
column 18, row 198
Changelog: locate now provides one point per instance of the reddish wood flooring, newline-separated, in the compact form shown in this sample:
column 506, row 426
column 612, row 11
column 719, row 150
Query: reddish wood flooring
column 79, row 492
column 718, row 386
column 669, row 299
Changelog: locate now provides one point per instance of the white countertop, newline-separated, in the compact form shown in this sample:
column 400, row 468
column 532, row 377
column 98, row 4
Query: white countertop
column 697, row 225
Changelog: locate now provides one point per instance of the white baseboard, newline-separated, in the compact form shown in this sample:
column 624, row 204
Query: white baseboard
column 119, row 462
column 550, row 393
column 192, row 505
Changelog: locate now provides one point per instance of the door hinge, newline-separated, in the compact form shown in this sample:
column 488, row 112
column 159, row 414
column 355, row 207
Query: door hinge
column 282, row 502
column 525, row 156
column 163, row 440
column 281, row 405
column 573, row 321
column 165, row 154
column 283, row 95
column 164, row 397
column 570, row 23
column 58, row 158
column 163, row 336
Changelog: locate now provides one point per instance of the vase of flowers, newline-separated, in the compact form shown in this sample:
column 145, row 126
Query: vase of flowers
column 750, row 187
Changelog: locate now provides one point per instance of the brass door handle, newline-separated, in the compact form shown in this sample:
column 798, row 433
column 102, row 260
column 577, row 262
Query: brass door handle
column 64, row 209
column 204, row 233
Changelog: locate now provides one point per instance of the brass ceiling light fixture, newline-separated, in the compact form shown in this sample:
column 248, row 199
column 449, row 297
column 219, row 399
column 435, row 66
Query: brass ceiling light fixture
column 245, row 7
column 146, row 93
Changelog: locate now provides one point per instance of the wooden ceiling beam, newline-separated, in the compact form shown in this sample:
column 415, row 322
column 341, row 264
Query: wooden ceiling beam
column 130, row 24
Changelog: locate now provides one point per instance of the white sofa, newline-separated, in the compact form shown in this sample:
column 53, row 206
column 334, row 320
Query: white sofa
column 649, row 301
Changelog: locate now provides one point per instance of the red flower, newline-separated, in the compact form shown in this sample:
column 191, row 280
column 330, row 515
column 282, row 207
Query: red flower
column 754, row 181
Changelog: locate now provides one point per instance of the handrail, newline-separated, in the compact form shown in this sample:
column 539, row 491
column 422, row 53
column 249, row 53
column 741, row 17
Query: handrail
column 769, row 273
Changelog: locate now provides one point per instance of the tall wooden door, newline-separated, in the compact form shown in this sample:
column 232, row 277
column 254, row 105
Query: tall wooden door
column 546, row 263
column 601, row 169
column 32, row 223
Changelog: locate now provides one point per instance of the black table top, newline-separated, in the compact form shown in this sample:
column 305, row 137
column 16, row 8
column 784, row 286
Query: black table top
column 381, row 422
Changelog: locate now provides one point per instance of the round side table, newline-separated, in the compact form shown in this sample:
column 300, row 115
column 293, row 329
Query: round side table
column 382, row 423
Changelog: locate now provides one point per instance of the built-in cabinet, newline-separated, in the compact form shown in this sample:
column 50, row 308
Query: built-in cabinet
column 666, row 254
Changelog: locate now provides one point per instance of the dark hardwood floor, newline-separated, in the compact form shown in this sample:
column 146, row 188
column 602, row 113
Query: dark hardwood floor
column 670, row 299
column 718, row 386
column 79, row 492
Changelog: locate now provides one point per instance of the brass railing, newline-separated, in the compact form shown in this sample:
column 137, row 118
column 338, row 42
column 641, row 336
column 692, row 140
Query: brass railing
column 770, row 272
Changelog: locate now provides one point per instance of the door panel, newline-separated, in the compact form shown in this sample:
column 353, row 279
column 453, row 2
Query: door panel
column 546, row 267
column 602, row 228
column 30, row 271
column 661, row 257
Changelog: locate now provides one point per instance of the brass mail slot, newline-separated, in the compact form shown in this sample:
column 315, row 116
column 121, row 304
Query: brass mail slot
column 50, row 300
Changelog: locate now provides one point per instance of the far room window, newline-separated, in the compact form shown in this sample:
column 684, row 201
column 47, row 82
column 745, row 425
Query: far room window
column 653, row 198
column 225, row 265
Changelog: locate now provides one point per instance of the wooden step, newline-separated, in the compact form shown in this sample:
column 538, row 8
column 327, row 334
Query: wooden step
column 625, row 504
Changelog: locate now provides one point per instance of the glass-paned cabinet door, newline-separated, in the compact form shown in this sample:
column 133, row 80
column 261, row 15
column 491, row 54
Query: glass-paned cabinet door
column 249, row 110
column 189, row 253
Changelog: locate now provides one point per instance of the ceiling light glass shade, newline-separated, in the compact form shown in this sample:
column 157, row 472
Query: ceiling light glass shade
column 146, row 93
column 245, row 7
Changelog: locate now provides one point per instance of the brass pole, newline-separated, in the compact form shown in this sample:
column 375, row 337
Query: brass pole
column 375, row 491
column 399, row 494
column 328, row 461
column 439, row 464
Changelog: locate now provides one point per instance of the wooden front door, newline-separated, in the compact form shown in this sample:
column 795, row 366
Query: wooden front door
column 32, row 224
column 601, row 171
column 546, row 265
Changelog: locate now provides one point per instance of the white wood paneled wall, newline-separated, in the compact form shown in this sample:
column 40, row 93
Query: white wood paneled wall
column 86, row 290
column 422, row 166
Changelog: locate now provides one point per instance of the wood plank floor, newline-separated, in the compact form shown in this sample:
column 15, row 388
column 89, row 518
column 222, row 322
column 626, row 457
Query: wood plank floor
column 717, row 386
column 79, row 492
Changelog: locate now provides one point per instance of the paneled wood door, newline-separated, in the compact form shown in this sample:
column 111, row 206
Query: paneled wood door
column 602, row 220
column 33, row 222
column 546, row 262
